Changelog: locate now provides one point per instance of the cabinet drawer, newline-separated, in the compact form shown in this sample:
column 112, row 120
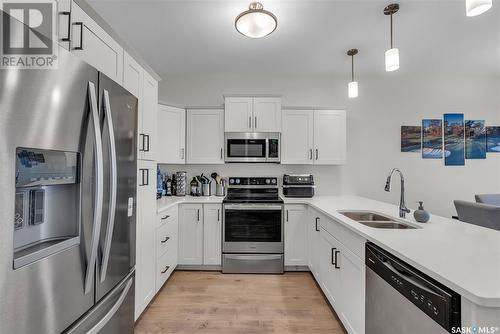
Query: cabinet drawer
column 168, row 216
column 356, row 242
column 164, row 268
column 166, row 239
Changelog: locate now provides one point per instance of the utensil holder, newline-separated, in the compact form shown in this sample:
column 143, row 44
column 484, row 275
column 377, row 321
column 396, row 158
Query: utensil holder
column 220, row 190
column 205, row 189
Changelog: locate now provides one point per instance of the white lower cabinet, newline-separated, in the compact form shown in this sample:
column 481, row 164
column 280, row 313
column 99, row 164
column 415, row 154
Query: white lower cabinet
column 200, row 231
column 145, row 235
column 167, row 241
column 212, row 234
column 296, row 235
column 191, row 234
column 338, row 270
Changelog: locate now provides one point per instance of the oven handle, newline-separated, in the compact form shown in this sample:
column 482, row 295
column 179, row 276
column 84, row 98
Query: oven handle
column 252, row 207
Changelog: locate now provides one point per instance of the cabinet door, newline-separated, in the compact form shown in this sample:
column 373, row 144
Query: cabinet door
column 267, row 114
column 330, row 274
column 352, row 293
column 205, row 136
column 133, row 75
column 238, row 115
column 313, row 241
column 171, row 135
column 64, row 23
column 329, row 137
column 145, row 235
column 149, row 117
column 296, row 235
column 191, row 234
column 297, row 137
column 212, row 234
column 91, row 43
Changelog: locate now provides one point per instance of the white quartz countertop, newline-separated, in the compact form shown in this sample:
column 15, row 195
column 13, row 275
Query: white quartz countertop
column 462, row 256
column 164, row 203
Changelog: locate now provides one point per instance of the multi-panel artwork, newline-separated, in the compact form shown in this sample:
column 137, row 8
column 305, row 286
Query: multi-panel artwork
column 453, row 138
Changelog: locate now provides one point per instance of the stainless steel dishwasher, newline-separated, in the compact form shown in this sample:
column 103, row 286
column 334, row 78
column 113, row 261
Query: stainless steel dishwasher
column 402, row 300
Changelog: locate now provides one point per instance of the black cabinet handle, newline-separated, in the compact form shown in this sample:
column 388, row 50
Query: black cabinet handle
column 165, row 240
column 336, row 259
column 166, row 217
column 68, row 37
column 81, row 36
column 221, row 153
column 317, row 154
column 144, row 177
column 333, row 257
column 286, row 215
column 249, row 122
column 255, row 124
column 143, row 137
column 198, row 215
column 310, row 154
column 317, row 220
column 166, row 269
column 218, row 215
column 147, row 141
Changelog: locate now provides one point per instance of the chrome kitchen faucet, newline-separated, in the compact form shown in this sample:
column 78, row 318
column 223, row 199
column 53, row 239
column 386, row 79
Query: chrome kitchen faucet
column 403, row 210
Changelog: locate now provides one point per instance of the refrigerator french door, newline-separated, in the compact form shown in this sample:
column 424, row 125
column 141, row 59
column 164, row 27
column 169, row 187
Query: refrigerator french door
column 67, row 213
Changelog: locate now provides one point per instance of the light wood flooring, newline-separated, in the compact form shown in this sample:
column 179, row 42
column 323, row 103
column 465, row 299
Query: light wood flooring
column 211, row 302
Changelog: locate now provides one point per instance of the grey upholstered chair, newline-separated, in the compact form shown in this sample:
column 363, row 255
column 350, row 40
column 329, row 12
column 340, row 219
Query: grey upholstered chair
column 491, row 199
column 479, row 214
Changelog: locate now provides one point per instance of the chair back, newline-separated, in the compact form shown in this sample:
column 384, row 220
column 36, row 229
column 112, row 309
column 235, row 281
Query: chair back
column 479, row 214
column 491, row 199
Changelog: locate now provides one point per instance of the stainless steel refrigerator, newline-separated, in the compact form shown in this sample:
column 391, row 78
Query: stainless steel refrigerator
column 67, row 207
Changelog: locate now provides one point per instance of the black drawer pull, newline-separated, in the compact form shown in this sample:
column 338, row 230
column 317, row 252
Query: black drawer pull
column 68, row 37
column 80, row 47
column 166, row 269
column 336, row 259
column 166, row 217
column 317, row 220
column 166, row 239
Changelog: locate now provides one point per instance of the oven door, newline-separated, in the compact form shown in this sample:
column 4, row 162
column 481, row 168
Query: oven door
column 253, row 228
column 246, row 147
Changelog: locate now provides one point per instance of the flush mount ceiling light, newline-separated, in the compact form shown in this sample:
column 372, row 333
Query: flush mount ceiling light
column 256, row 22
column 477, row 7
column 352, row 87
column 391, row 55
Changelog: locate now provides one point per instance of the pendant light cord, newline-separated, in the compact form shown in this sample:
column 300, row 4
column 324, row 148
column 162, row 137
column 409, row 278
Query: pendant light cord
column 391, row 31
column 352, row 68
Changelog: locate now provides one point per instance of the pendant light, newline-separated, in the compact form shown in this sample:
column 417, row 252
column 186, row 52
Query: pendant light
column 256, row 22
column 391, row 55
column 352, row 87
column 477, row 7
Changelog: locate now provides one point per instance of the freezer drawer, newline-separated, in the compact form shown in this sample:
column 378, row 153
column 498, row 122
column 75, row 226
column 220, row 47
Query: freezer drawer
column 113, row 314
column 253, row 263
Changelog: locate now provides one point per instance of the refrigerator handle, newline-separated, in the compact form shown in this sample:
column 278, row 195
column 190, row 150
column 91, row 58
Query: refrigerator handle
column 99, row 169
column 112, row 185
column 97, row 327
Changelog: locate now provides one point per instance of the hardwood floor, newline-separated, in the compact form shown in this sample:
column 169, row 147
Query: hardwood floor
column 210, row 302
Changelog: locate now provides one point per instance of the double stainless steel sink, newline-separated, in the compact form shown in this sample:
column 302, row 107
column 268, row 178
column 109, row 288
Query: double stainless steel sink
column 376, row 220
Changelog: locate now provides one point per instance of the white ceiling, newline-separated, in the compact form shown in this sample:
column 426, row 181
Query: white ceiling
column 198, row 37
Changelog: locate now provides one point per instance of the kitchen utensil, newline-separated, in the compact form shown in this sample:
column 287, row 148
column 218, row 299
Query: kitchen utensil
column 214, row 176
column 218, row 179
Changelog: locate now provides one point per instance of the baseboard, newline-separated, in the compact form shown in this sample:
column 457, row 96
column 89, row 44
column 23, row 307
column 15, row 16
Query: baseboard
column 297, row 268
column 199, row 267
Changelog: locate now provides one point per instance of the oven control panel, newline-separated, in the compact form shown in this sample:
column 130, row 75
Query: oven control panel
column 253, row 181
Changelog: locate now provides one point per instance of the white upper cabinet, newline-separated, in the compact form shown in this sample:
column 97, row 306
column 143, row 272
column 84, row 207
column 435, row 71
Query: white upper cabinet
column 91, row 43
column 267, row 114
column 314, row 137
column 171, row 135
column 238, row 115
column 148, row 110
column 205, row 136
column 296, row 235
column 212, row 234
column 252, row 114
column 297, row 138
column 133, row 75
column 330, row 137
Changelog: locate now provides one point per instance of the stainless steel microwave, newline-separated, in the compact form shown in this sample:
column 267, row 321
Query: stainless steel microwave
column 252, row 147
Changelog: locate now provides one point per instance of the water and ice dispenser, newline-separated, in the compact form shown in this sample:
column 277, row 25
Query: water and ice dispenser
column 47, row 204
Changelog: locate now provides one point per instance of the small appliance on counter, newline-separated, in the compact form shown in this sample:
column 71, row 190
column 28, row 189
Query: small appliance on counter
column 298, row 185
column 180, row 184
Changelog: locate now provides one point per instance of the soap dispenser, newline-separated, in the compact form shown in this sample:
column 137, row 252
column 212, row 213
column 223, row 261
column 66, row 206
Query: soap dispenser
column 420, row 214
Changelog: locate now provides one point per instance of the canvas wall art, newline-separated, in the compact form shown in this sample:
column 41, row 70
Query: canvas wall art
column 454, row 140
column 475, row 139
column 432, row 139
column 493, row 139
column 411, row 139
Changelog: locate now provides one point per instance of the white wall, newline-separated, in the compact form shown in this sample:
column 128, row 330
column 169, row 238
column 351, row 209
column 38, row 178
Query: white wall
column 374, row 121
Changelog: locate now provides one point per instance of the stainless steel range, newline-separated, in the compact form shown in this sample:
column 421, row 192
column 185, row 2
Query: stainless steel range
column 252, row 233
